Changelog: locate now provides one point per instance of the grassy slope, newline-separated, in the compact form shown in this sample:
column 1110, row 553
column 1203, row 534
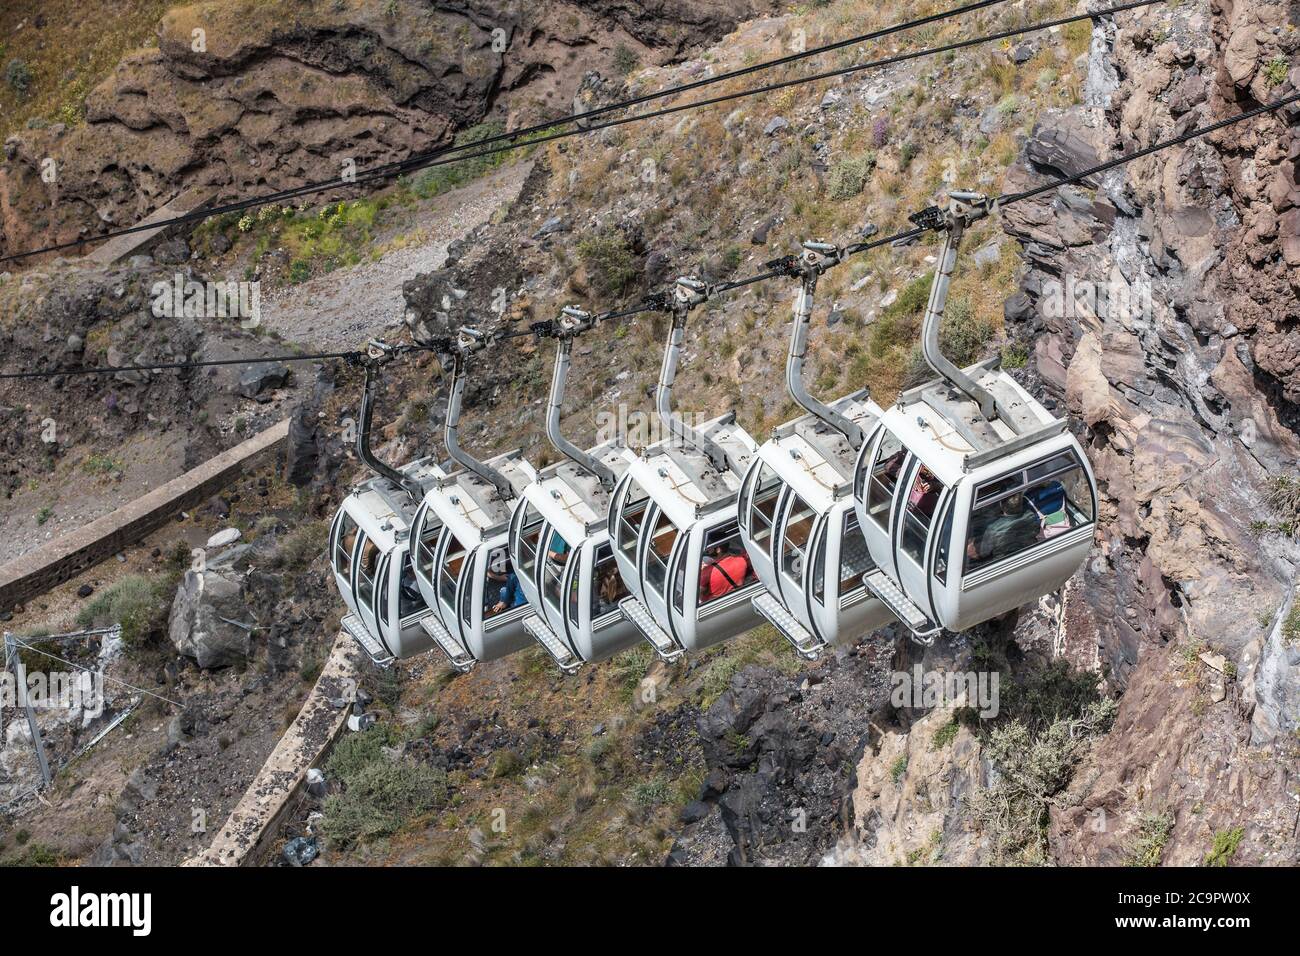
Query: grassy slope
column 79, row 44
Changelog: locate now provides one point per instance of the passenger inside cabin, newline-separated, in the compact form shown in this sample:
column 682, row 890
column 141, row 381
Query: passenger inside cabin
column 723, row 572
column 925, row 492
column 607, row 591
column 501, row 590
column 558, row 549
column 410, row 599
column 1014, row 528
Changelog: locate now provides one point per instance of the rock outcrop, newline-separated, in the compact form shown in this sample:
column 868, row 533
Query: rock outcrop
column 207, row 621
column 249, row 97
column 1171, row 337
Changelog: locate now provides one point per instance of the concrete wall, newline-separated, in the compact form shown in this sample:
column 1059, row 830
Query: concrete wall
column 68, row 555
column 249, row 835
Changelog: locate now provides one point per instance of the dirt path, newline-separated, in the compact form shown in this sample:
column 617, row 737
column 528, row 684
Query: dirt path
column 342, row 309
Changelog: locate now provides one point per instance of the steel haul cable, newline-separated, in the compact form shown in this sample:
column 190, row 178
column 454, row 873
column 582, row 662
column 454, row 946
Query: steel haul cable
column 852, row 249
column 440, row 158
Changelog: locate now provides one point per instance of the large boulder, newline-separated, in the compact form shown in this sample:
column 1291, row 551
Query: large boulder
column 206, row 616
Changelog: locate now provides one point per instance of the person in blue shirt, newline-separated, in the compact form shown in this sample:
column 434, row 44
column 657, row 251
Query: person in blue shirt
column 558, row 548
column 503, row 585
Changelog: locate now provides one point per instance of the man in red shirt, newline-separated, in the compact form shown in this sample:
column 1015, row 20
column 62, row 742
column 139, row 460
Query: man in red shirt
column 722, row 573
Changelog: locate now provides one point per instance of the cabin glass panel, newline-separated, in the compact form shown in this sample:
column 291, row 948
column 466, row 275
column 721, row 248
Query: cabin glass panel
column 367, row 560
column 884, row 479
column 724, row 565
column 662, row 540
column 343, row 545
column 449, row 572
column 607, row 586
column 941, row 551
column 500, row 586
column 855, row 556
column 762, row 510
column 558, row 552
column 922, row 499
column 529, row 534
column 819, row 570
column 426, row 546
column 630, row 518
column 409, row 599
column 794, row 543
column 1027, row 507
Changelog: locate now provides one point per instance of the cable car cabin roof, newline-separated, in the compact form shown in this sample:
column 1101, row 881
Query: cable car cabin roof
column 573, row 500
column 945, row 429
column 471, row 506
column 682, row 480
column 384, row 511
column 814, row 458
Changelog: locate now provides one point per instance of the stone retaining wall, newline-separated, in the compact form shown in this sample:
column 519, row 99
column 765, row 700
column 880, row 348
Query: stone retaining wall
column 68, row 555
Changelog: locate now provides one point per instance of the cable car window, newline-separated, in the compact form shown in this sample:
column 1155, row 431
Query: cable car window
column 1048, row 499
column 382, row 602
column 855, row 557
column 661, row 546
column 501, row 590
column 344, row 544
column 529, row 533
column 409, row 599
column 919, row 512
column 941, row 551
column 449, row 573
column 794, row 543
column 557, row 557
column 607, row 587
column 368, row 560
column 819, row 571
column 884, row 478
column 724, row 563
column 426, row 546
column 630, row 518
column 762, row 511
column 679, row 587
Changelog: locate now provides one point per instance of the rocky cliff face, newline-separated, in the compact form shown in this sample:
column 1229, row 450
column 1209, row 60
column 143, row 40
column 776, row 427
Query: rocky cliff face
column 1159, row 306
column 250, row 97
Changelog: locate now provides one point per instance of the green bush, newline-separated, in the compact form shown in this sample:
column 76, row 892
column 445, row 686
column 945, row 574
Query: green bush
column 439, row 179
column 19, row 76
column 1033, row 767
column 610, row 260
column 380, row 799
column 380, row 793
column 849, row 177
column 1225, row 847
column 1153, row 834
column 1275, row 71
column 964, row 334
column 137, row 603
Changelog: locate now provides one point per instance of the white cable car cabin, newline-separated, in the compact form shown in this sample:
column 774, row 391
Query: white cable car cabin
column 559, row 537
column 369, row 549
column 461, row 547
column 797, row 513
column 973, row 498
column 675, row 521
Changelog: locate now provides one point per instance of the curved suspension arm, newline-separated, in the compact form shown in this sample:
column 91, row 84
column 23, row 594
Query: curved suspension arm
column 794, row 366
column 962, row 209
column 582, row 459
column 452, row 426
column 673, row 422
column 365, row 453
